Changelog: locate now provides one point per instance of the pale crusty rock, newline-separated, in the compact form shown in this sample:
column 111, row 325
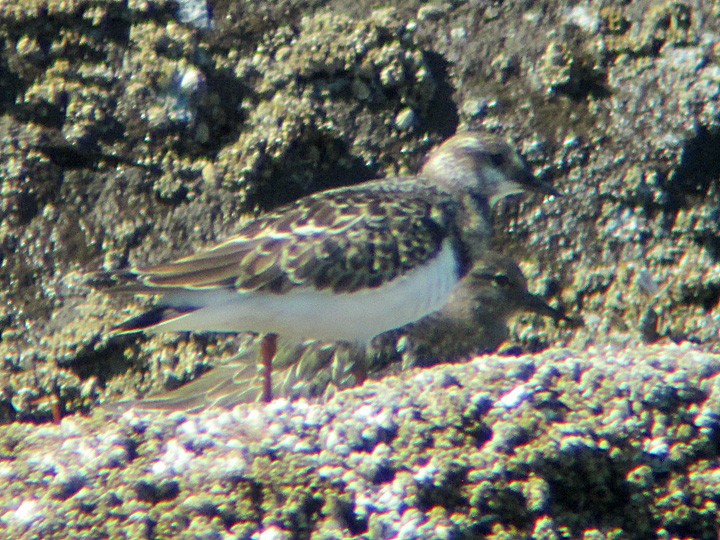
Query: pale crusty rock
column 566, row 442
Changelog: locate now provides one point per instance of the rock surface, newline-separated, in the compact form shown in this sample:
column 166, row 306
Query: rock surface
column 137, row 130
column 613, row 442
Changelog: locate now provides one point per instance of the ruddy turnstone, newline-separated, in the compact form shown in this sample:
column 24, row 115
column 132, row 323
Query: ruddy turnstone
column 345, row 264
column 473, row 322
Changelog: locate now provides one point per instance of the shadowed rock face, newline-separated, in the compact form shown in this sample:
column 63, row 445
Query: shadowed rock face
column 632, row 244
column 616, row 107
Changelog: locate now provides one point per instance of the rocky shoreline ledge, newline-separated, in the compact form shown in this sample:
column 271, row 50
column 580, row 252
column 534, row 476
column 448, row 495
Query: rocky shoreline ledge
column 617, row 441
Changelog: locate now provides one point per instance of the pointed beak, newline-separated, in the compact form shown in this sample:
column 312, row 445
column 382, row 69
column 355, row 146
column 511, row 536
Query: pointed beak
column 530, row 182
column 535, row 304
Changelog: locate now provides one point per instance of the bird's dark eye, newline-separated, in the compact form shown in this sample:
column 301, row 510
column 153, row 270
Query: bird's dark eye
column 502, row 280
column 497, row 159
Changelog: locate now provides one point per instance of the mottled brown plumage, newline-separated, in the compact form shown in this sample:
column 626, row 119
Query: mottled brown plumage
column 475, row 319
column 360, row 236
column 343, row 240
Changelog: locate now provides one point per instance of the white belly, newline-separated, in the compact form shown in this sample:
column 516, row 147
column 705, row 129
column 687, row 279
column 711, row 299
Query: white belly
column 307, row 313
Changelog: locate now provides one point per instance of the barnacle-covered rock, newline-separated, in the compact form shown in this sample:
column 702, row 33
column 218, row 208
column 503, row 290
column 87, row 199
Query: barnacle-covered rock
column 613, row 441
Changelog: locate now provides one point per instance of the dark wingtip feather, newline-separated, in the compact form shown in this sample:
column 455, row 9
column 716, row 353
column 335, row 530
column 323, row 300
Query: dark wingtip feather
column 124, row 282
column 101, row 280
column 151, row 318
column 120, row 281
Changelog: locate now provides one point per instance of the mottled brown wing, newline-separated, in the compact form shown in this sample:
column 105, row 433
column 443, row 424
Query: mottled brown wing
column 307, row 370
column 224, row 386
column 344, row 240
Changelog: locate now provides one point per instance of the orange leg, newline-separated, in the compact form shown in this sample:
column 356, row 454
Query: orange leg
column 56, row 411
column 268, row 348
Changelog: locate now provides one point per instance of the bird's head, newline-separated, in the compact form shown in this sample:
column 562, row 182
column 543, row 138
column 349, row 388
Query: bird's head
column 483, row 165
column 499, row 290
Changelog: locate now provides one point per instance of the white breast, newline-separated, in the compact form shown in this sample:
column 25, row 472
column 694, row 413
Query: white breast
column 312, row 314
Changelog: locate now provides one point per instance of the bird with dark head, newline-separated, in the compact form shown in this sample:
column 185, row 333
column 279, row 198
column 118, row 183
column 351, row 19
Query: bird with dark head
column 474, row 320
